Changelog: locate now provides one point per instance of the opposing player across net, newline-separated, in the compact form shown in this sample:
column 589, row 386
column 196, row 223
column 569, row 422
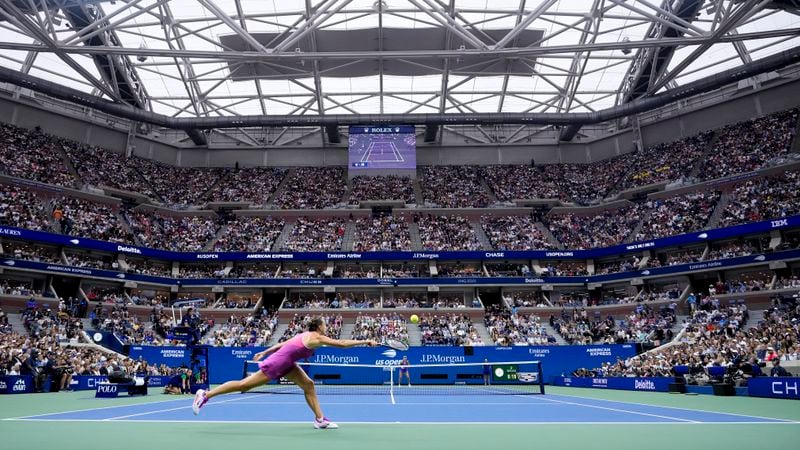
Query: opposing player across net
column 505, row 378
column 381, row 152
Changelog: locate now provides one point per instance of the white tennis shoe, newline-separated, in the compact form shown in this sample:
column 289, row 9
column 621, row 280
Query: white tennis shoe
column 325, row 424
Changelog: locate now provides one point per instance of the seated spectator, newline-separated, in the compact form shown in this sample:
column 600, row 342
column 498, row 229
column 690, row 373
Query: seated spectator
column 453, row 187
column 315, row 235
column 448, row 329
column 388, row 187
column 384, row 233
column 250, row 234
column 447, row 233
column 254, row 185
column 600, row 230
column 313, row 188
column 22, row 208
column 678, row 215
column 514, row 233
column 747, row 146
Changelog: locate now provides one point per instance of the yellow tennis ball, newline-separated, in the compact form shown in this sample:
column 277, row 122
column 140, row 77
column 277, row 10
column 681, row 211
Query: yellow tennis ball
column 414, row 318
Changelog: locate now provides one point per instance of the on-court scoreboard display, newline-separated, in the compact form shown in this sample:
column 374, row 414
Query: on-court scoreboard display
column 382, row 147
column 512, row 374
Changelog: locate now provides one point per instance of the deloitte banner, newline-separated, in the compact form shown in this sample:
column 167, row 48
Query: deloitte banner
column 652, row 384
column 227, row 363
column 774, row 387
column 16, row 384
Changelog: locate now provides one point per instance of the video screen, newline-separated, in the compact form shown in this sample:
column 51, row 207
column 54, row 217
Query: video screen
column 382, row 147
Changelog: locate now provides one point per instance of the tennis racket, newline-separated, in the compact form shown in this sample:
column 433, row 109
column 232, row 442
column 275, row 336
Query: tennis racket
column 395, row 344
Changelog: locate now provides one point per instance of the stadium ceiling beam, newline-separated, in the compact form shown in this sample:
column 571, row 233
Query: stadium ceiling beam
column 243, row 24
column 439, row 15
column 504, row 87
column 747, row 9
column 674, row 22
column 313, row 22
column 185, row 70
column 578, row 65
column 557, row 51
column 10, row 11
column 523, row 24
column 220, row 14
column 432, row 132
column 103, row 23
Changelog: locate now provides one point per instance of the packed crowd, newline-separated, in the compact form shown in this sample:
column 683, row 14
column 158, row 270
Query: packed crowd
column 78, row 217
column 448, row 329
column 33, row 155
column 664, row 162
column 453, row 187
column 128, row 328
column 747, row 146
column 312, row 188
column 315, row 235
column 383, row 233
column 446, row 233
column 526, row 299
column 22, row 208
column 180, row 234
column 678, row 215
column 514, row 233
column 179, row 186
column 383, row 187
column 381, row 327
column 103, row 168
column 507, row 328
column 763, row 198
column 254, row 185
column 599, row 230
column 252, row 330
column 520, row 182
column 250, row 234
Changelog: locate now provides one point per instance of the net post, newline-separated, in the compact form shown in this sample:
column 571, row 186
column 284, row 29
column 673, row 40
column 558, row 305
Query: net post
column 541, row 377
column 391, row 383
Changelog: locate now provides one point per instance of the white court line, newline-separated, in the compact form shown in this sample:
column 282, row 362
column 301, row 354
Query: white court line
column 294, row 422
column 97, row 409
column 677, row 408
column 622, row 410
column 167, row 410
column 522, row 404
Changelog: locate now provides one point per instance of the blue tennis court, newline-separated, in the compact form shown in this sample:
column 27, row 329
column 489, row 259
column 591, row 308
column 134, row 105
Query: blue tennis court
column 408, row 409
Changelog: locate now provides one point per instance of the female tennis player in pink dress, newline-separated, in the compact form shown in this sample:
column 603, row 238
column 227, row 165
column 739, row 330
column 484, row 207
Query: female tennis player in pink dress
column 282, row 363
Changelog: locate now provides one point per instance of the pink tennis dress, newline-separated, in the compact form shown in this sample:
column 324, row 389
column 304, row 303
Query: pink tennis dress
column 283, row 361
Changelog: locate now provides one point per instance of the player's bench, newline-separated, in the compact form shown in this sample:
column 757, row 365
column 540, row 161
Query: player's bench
column 112, row 390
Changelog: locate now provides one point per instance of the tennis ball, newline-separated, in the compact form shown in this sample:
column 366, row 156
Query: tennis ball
column 414, row 318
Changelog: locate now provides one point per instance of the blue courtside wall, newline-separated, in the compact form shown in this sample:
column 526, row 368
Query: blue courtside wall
column 774, row 387
column 652, row 384
column 227, row 363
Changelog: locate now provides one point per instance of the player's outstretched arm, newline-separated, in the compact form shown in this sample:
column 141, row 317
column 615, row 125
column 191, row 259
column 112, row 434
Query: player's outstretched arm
column 320, row 340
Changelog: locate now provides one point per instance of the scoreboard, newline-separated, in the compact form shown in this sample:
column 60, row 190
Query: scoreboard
column 510, row 373
column 505, row 373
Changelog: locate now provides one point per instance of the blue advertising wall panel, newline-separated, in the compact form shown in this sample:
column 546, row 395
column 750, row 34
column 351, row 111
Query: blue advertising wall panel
column 652, row 384
column 90, row 382
column 226, row 363
column 16, row 384
column 774, row 387
column 171, row 356
column 382, row 282
column 684, row 239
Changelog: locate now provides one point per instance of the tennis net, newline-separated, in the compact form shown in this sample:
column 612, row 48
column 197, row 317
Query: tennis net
column 496, row 378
